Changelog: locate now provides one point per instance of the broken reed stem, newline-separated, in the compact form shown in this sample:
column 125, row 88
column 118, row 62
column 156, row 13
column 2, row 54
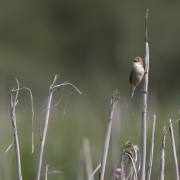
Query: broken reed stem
column 53, row 87
column 151, row 149
column 94, row 172
column 13, row 103
column 14, row 93
column 174, row 149
column 162, row 154
column 32, row 118
column 87, row 157
column 41, row 152
column 113, row 104
column 9, row 147
column 32, row 111
column 145, row 97
column 46, row 172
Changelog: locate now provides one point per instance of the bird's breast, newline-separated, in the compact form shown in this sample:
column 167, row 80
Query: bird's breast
column 138, row 69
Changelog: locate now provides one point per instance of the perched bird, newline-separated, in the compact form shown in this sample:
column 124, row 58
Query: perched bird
column 137, row 74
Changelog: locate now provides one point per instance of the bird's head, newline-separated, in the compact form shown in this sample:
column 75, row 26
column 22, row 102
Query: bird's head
column 137, row 60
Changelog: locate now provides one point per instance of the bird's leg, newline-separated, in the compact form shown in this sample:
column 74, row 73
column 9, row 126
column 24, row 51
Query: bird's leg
column 145, row 72
column 144, row 92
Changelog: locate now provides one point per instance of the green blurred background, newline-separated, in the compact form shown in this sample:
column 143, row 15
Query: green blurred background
column 90, row 43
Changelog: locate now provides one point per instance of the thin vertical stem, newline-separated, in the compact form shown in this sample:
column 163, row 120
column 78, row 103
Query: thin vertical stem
column 179, row 145
column 113, row 104
column 13, row 103
column 174, row 149
column 91, row 177
column 162, row 154
column 46, row 172
column 15, row 133
column 145, row 97
column 106, row 148
column 45, row 128
column 53, row 87
column 115, row 135
column 151, row 149
column 43, row 140
column 87, row 157
column 179, row 139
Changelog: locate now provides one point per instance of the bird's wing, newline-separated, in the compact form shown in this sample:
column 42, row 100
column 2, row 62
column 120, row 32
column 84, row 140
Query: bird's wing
column 131, row 77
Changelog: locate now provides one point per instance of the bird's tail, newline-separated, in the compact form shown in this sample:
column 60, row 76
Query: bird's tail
column 132, row 91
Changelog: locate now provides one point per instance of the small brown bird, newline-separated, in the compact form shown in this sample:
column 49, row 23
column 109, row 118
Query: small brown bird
column 137, row 74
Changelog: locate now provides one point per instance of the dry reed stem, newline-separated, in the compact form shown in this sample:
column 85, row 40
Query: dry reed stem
column 32, row 118
column 179, row 139
column 174, row 149
column 54, row 172
column 162, row 154
column 46, row 172
column 53, row 87
column 9, row 147
column 87, row 157
column 151, row 149
column 179, row 145
column 145, row 97
column 32, row 111
column 127, row 167
column 115, row 135
column 80, row 174
column 13, row 103
column 44, row 135
column 95, row 171
column 50, row 172
column 113, row 104
column 134, row 166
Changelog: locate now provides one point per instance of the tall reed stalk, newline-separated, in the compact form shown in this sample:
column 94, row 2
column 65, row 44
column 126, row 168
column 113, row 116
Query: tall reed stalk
column 151, row 149
column 52, row 89
column 162, row 154
column 145, row 99
column 174, row 149
column 113, row 104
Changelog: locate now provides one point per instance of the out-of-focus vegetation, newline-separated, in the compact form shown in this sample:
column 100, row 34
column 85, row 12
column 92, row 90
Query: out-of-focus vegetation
column 90, row 43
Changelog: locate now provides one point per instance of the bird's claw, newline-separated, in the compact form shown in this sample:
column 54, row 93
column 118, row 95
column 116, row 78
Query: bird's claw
column 143, row 91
